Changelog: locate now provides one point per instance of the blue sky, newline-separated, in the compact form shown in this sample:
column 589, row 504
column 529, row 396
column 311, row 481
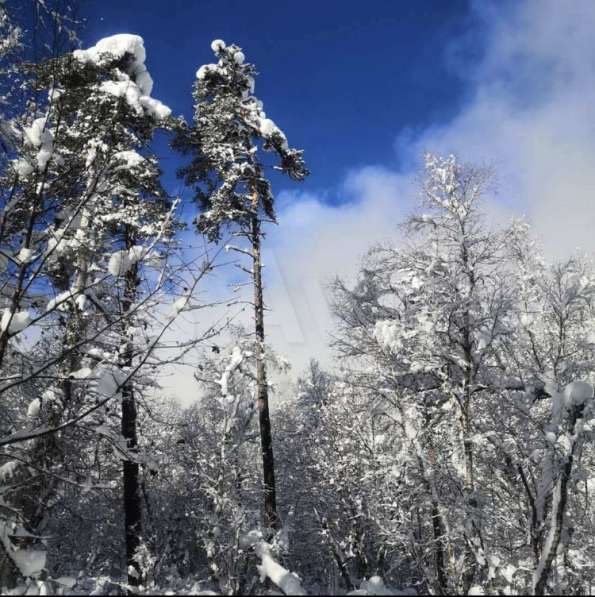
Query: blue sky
column 365, row 88
column 340, row 77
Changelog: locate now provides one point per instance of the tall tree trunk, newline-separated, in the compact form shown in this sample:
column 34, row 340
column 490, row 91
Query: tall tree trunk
column 439, row 529
column 473, row 536
column 132, row 502
column 262, row 394
column 439, row 540
column 558, row 511
column 130, row 478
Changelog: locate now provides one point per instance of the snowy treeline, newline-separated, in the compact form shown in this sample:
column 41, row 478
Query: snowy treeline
column 449, row 450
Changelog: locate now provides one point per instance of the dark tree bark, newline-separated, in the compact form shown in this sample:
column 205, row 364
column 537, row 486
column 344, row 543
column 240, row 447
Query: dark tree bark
column 439, row 534
column 130, row 478
column 132, row 502
column 438, row 527
column 262, row 395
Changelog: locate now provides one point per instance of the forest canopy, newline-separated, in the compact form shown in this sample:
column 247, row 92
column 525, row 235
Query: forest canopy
column 446, row 449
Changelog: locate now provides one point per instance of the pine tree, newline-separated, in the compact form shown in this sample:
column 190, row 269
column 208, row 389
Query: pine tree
column 88, row 191
column 135, row 217
column 230, row 128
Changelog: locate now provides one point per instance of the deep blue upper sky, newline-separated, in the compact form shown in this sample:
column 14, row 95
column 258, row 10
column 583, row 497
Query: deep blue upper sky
column 341, row 77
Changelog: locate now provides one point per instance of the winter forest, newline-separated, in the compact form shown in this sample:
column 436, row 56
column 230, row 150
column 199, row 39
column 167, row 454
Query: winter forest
column 445, row 447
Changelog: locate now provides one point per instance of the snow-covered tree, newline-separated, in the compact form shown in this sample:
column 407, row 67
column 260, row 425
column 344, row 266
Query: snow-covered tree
column 230, row 129
column 213, row 479
column 552, row 348
column 89, row 198
column 448, row 450
column 442, row 336
column 10, row 43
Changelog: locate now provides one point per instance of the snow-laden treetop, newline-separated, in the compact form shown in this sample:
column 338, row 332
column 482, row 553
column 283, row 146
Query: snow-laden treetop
column 135, row 83
column 230, row 129
column 233, row 57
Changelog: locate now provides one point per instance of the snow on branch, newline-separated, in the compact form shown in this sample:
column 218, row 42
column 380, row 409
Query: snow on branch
column 269, row 568
column 137, row 84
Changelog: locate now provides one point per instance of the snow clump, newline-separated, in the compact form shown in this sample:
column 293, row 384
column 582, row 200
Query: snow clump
column 136, row 84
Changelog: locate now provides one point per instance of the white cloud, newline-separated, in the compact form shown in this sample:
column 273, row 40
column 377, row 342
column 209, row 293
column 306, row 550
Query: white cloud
column 530, row 115
column 316, row 242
